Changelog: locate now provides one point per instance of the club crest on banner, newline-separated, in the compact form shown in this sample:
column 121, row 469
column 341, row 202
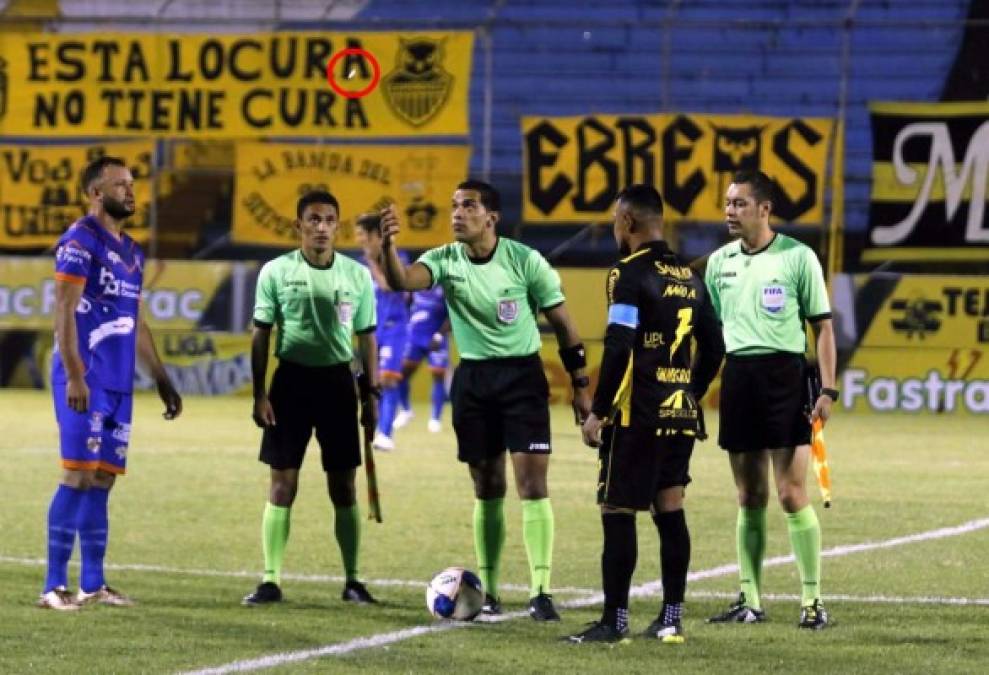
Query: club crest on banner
column 419, row 86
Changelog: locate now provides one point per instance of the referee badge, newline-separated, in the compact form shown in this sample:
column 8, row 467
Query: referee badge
column 345, row 312
column 508, row 311
column 773, row 298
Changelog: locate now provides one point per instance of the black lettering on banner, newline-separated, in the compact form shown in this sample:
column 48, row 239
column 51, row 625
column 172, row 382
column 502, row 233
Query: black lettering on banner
column 175, row 73
column 135, row 97
column 317, row 52
column 135, row 62
column 280, row 68
column 680, row 195
column 784, row 207
column 71, row 106
column 265, row 172
column 235, row 68
column 105, row 50
column 190, row 109
column 111, row 96
column 267, row 217
column 211, row 60
column 160, row 110
column 247, row 111
column 37, row 61
column 357, row 61
column 69, row 54
column 214, row 109
column 589, row 156
column 545, row 199
column 322, row 116
column 289, row 115
column 355, row 111
column 641, row 150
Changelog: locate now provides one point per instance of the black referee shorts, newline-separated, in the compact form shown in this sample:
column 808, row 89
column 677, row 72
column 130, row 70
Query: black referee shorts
column 499, row 404
column 306, row 398
column 635, row 463
column 763, row 403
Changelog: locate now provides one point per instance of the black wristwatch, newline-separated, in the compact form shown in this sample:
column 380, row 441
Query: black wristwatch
column 830, row 393
column 581, row 382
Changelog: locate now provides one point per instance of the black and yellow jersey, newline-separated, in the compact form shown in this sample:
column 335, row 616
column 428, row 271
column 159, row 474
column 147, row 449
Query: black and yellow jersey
column 663, row 345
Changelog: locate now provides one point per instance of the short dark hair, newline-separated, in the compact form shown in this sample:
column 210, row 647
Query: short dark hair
column 763, row 187
column 642, row 197
column 489, row 195
column 94, row 170
column 315, row 197
column 369, row 222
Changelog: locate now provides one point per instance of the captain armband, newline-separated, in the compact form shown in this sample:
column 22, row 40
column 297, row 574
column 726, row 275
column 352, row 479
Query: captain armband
column 574, row 357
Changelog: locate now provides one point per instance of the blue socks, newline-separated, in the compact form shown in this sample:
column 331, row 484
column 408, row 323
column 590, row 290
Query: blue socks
column 403, row 394
column 93, row 529
column 62, row 516
column 438, row 397
column 387, row 410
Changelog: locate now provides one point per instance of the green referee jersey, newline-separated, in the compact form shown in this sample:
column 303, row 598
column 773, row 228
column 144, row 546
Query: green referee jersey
column 493, row 302
column 317, row 309
column 763, row 298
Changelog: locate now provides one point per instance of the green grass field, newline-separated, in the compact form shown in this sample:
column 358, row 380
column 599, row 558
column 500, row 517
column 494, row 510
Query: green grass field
column 185, row 527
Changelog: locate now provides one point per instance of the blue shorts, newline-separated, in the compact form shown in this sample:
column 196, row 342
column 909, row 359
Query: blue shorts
column 438, row 358
column 97, row 438
column 391, row 347
column 424, row 324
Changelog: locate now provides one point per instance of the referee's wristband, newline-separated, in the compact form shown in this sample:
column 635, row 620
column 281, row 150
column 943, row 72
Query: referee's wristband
column 830, row 393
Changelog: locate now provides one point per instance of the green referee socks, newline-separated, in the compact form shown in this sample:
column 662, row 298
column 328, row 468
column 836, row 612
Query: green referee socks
column 750, row 538
column 274, row 536
column 537, row 531
column 347, row 527
column 489, row 539
column 805, row 538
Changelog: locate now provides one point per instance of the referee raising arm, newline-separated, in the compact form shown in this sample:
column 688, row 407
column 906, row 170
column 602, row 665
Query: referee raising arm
column 494, row 288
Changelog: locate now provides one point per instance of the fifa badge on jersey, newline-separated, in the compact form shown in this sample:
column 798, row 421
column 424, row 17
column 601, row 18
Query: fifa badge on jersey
column 345, row 311
column 773, row 298
column 508, row 311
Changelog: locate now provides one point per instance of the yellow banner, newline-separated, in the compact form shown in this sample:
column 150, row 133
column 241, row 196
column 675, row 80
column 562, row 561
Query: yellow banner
column 203, row 363
column 932, row 311
column 225, row 86
column 419, row 179
column 40, row 193
column 574, row 167
column 177, row 294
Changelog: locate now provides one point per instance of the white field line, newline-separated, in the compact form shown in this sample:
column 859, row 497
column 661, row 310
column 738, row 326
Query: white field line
column 243, row 574
column 863, row 599
column 380, row 639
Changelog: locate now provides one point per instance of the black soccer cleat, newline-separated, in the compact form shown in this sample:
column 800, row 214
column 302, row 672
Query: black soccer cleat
column 266, row 593
column 356, row 592
column 541, row 608
column 814, row 617
column 667, row 633
column 598, row 631
column 739, row 613
column 492, row 605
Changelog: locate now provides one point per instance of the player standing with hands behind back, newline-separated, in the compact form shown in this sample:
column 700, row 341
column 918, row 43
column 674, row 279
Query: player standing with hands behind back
column 764, row 285
column 494, row 288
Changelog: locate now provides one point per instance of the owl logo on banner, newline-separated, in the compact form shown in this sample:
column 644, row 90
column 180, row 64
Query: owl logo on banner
column 734, row 150
column 3, row 88
column 418, row 86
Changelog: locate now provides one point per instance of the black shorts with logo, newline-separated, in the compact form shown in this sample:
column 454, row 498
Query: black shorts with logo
column 499, row 404
column 763, row 403
column 635, row 463
column 306, row 398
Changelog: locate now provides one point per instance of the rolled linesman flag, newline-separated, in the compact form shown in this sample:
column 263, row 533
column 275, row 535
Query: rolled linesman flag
column 818, row 451
column 373, row 499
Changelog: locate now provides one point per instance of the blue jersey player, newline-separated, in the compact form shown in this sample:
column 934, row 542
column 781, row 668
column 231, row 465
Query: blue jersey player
column 98, row 333
column 393, row 319
column 427, row 339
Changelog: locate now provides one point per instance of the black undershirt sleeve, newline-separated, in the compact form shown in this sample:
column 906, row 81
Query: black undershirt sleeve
column 618, row 343
column 711, row 349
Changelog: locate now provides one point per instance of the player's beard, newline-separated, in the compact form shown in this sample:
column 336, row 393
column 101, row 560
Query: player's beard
column 117, row 210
